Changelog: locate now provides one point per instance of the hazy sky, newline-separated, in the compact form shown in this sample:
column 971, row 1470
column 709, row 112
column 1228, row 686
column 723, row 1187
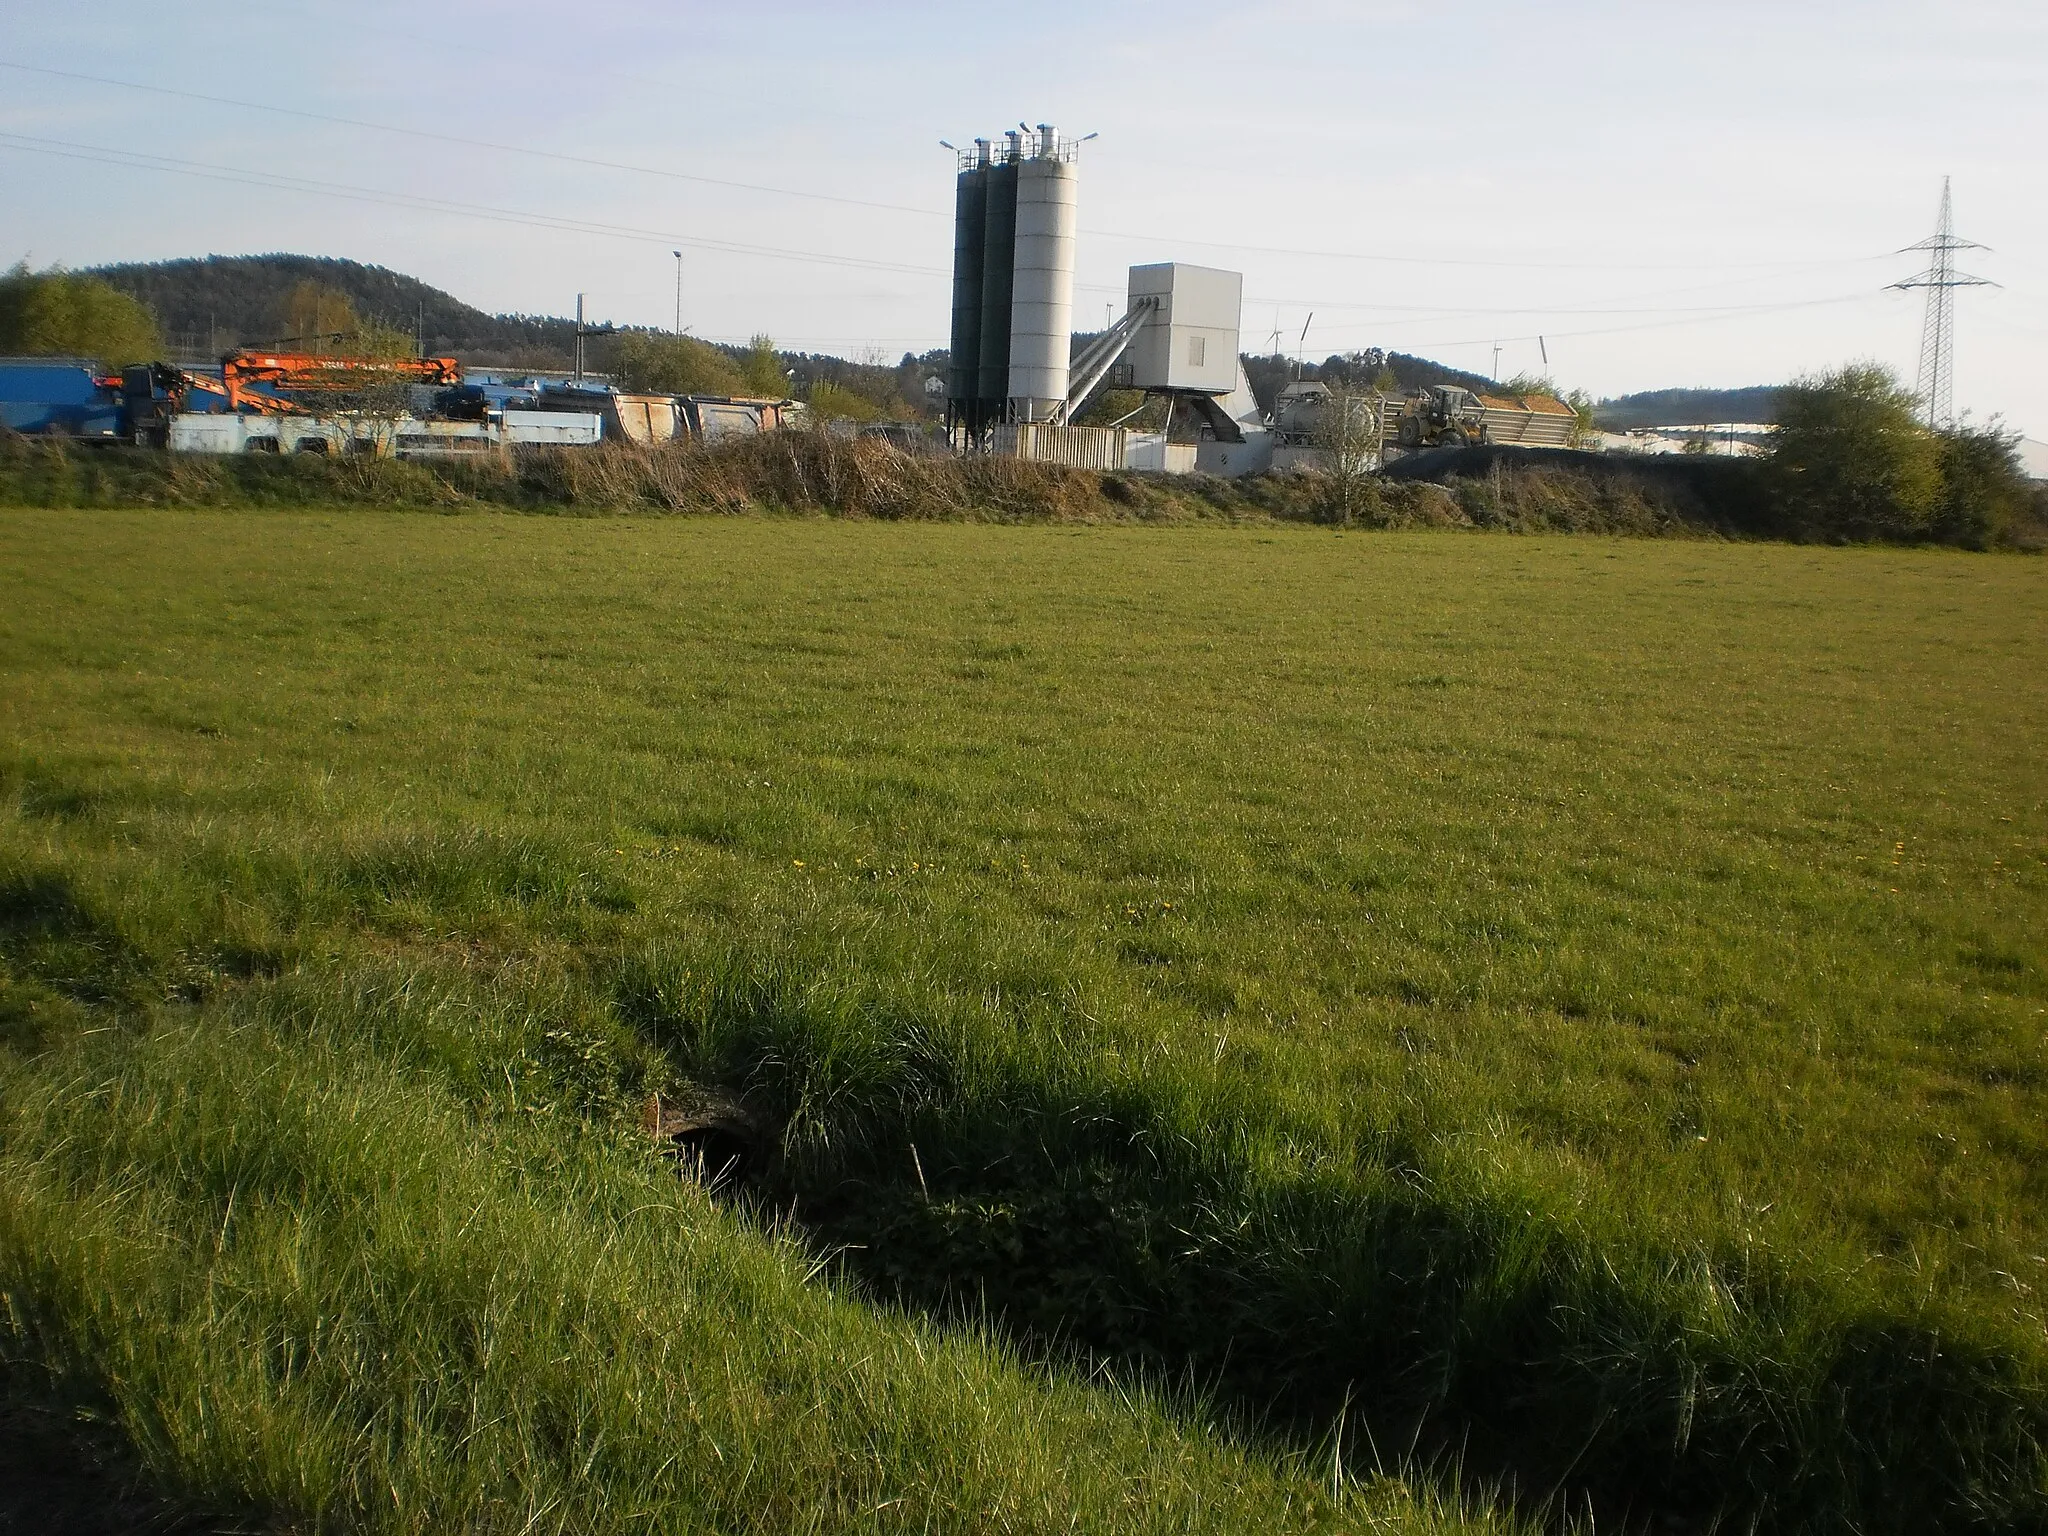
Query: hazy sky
column 1666, row 194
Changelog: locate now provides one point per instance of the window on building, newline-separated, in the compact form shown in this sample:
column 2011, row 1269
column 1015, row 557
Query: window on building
column 1198, row 351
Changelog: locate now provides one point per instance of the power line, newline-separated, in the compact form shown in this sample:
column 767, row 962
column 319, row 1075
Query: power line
column 1417, row 313
column 1464, row 261
column 1405, row 315
column 467, row 143
column 855, row 202
column 1656, row 325
column 1624, row 299
column 137, row 160
column 278, row 181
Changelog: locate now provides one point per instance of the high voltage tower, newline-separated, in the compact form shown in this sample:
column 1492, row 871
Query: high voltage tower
column 1938, row 332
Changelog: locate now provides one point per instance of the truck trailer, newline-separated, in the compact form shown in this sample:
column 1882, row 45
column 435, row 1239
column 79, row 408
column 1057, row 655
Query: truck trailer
column 1450, row 416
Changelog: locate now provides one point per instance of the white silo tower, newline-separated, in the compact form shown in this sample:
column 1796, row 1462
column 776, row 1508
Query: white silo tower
column 1042, row 294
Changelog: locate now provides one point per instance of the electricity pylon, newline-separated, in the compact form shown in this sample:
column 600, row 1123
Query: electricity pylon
column 1938, row 332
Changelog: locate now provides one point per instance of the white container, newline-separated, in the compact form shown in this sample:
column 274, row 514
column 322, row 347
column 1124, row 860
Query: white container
column 1151, row 451
column 561, row 429
column 198, row 433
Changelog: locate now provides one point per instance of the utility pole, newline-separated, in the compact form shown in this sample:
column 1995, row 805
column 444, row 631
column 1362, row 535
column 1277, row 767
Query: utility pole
column 1495, row 375
column 582, row 331
column 679, row 293
column 1938, row 330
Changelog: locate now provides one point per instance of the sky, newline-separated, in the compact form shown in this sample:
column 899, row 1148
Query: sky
column 1623, row 196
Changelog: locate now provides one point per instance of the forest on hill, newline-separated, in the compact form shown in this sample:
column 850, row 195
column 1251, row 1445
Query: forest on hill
column 206, row 305
column 1370, row 367
column 1688, row 407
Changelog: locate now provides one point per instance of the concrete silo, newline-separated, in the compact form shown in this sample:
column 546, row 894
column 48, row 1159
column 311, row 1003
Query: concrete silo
column 970, row 217
column 998, row 272
column 1042, row 289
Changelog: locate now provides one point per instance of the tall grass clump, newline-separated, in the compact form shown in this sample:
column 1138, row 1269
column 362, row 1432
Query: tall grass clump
column 325, row 1275
column 817, row 471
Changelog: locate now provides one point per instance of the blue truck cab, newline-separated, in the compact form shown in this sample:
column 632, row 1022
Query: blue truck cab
column 60, row 397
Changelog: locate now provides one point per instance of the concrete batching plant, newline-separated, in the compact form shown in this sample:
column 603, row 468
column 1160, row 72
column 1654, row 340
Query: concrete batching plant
column 1015, row 385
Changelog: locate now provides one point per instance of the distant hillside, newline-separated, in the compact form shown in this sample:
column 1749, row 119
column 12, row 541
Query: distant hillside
column 1268, row 374
column 1420, row 372
column 1687, row 407
column 207, row 305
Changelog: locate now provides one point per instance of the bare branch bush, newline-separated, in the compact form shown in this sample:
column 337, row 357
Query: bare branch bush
column 1348, row 433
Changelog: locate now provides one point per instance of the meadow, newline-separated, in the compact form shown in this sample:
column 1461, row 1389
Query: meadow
column 1254, row 1027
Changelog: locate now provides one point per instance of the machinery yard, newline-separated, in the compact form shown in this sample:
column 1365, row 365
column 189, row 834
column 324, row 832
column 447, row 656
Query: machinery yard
column 1017, row 377
column 261, row 402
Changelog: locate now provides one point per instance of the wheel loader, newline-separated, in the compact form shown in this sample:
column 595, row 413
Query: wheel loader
column 1441, row 416
column 1450, row 416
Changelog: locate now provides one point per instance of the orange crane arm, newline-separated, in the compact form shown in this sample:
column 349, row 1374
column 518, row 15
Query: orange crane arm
column 313, row 372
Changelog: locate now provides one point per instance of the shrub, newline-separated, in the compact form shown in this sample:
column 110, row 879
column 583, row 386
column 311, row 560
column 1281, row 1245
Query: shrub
column 1986, row 497
column 835, row 402
column 761, row 370
column 674, row 365
column 1850, row 460
column 62, row 314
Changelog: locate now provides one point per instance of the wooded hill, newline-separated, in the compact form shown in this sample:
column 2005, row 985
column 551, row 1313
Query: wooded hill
column 205, row 305
column 1687, row 407
column 1396, row 371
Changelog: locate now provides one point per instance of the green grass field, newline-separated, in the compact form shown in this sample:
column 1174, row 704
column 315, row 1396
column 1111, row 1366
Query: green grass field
column 1257, row 1025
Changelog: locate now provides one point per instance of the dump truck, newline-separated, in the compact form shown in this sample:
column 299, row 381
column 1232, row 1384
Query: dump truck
column 1451, row 416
